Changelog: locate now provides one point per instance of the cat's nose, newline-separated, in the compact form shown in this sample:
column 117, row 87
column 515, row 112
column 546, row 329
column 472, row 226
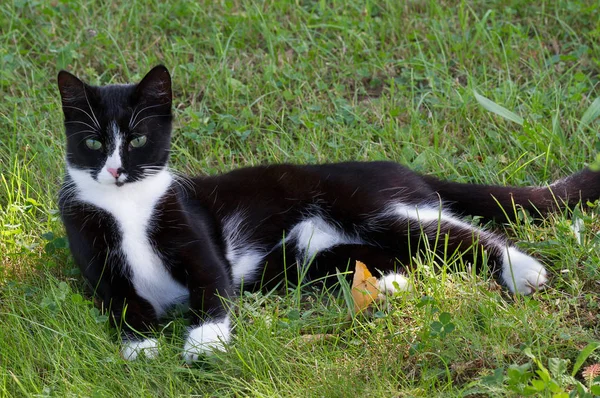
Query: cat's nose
column 114, row 172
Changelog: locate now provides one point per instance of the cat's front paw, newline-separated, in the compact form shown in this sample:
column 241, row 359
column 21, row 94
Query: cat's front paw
column 132, row 349
column 522, row 273
column 205, row 339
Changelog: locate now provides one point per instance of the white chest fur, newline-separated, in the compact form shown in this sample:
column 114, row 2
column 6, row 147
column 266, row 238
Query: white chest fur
column 132, row 205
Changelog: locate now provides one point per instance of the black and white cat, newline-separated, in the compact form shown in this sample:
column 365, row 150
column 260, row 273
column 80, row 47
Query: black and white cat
column 146, row 239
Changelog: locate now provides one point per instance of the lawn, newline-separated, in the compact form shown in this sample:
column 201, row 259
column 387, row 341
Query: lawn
column 315, row 81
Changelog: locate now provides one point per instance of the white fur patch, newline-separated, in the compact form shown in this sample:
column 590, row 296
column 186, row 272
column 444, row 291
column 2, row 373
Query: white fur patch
column 245, row 265
column 245, row 260
column 428, row 218
column 314, row 235
column 132, row 349
column 388, row 283
column 132, row 206
column 522, row 273
column 423, row 213
column 205, row 339
column 113, row 161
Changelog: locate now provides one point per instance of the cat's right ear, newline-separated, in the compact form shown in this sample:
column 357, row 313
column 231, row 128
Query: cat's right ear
column 155, row 87
column 72, row 90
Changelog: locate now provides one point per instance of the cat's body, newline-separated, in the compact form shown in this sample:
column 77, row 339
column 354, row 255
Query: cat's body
column 146, row 239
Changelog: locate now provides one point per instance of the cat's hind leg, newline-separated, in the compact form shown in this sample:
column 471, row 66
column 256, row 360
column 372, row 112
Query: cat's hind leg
column 413, row 229
column 326, row 266
column 522, row 273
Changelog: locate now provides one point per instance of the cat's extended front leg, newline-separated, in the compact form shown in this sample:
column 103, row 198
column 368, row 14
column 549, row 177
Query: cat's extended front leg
column 210, row 286
column 102, row 263
column 210, row 328
column 419, row 228
column 135, row 317
column 132, row 315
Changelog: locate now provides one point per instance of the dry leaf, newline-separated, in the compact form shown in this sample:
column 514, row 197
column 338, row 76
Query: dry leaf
column 364, row 287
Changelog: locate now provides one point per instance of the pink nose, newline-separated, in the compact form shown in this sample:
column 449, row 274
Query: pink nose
column 114, row 172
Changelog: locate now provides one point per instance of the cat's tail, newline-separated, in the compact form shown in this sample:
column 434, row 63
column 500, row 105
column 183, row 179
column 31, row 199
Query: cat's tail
column 501, row 203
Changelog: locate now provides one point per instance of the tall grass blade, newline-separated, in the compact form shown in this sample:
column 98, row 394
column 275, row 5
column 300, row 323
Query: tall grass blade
column 346, row 292
column 591, row 113
column 583, row 355
column 498, row 109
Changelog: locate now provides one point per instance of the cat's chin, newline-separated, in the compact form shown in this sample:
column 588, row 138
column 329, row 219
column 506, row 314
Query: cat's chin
column 112, row 183
column 106, row 181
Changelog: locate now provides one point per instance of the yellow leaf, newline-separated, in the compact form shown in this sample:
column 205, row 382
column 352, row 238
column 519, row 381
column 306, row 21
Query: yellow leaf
column 364, row 287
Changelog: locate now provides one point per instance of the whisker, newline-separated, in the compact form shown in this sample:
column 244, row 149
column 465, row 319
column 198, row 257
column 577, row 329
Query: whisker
column 181, row 186
column 92, row 135
column 184, row 181
column 84, row 123
column 91, row 109
column 148, row 165
column 131, row 118
column 148, row 117
column 139, row 113
column 81, row 110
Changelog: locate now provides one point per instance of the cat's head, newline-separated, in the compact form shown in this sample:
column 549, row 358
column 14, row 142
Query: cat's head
column 117, row 134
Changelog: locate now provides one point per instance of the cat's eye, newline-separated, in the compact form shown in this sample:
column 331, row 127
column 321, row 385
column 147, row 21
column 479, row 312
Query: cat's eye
column 138, row 141
column 93, row 144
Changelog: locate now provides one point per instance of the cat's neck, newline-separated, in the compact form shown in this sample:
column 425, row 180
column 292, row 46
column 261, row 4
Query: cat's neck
column 131, row 197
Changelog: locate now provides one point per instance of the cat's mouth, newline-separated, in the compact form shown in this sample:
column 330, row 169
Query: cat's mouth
column 121, row 180
column 106, row 179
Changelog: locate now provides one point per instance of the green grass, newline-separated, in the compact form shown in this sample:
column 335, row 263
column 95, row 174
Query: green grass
column 310, row 81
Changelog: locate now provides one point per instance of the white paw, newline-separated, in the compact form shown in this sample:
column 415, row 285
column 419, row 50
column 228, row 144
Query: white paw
column 393, row 283
column 205, row 339
column 522, row 273
column 133, row 348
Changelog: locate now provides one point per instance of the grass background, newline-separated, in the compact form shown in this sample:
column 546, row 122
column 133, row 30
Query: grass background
column 309, row 81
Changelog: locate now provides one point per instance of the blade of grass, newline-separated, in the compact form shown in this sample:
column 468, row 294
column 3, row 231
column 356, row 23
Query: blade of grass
column 583, row 355
column 498, row 109
column 590, row 114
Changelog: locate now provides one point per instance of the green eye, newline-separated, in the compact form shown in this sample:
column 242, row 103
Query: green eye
column 93, row 144
column 138, row 142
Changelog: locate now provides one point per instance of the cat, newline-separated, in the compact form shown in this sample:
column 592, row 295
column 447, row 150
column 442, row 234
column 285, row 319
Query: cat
column 146, row 238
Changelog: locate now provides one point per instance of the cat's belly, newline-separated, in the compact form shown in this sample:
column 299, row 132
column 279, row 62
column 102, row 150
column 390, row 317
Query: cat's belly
column 308, row 237
column 314, row 234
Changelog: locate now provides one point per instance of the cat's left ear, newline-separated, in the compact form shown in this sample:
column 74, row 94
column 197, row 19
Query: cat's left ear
column 72, row 90
column 74, row 95
column 155, row 87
